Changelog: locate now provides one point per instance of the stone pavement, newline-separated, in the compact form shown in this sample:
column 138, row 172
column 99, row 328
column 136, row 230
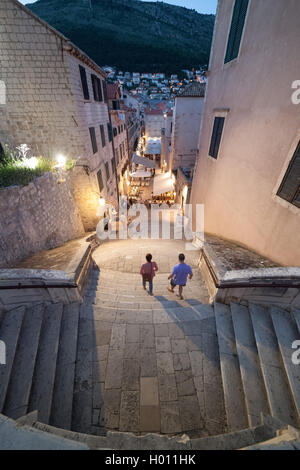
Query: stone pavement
column 156, row 364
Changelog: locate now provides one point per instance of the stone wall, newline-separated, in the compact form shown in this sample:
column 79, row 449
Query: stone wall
column 40, row 107
column 39, row 216
column 45, row 106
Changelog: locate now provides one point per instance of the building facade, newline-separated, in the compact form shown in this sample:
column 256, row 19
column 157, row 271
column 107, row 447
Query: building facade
column 56, row 104
column 121, row 148
column 188, row 111
column 154, row 123
column 166, row 139
column 248, row 169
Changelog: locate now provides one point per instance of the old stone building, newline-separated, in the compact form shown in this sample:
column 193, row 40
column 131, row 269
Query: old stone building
column 154, row 122
column 248, row 172
column 121, row 148
column 188, row 111
column 56, row 103
column 166, row 139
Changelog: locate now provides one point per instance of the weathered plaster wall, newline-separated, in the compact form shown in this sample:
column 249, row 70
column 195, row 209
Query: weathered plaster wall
column 261, row 132
column 187, row 120
column 37, row 217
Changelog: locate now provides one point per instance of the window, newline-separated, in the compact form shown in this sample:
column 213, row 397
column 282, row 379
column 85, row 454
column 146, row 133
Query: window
column 96, row 82
column 109, row 130
column 84, row 83
column 107, row 171
column 115, row 132
column 113, row 165
column 105, row 91
column 102, row 135
column 117, row 156
column 290, row 187
column 236, row 29
column 121, row 152
column 100, row 180
column 93, row 139
column 216, row 137
column 119, row 129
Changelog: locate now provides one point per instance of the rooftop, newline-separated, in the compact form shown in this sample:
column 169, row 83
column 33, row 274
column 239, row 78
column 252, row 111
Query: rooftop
column 194, row 90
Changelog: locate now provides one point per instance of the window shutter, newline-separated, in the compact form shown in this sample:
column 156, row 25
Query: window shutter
column 113, row 165
column 84, row 83
column 93, row 139
column 290, row 187
column 109, row 130
column 216, row 137
column 107, row 171
column 102, row 135
column 100, row 180
column 97, row 90
column 105, row 91
column 100, row 96
column 93, row 78
column 236, row 29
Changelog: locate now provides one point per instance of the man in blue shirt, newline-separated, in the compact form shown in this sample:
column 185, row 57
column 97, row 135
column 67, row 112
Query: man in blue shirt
column 180, row 274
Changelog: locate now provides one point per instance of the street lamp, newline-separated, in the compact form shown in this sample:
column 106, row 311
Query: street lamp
column 61, row 161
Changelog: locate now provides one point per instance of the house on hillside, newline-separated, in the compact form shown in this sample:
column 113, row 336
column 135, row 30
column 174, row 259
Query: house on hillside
column 57, row 104
column 248, row 168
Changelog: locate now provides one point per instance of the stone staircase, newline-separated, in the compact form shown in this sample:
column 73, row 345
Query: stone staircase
column 51, row 361
column 40, row 370
column 258, row 375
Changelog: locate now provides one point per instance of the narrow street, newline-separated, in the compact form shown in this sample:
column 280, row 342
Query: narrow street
column 155, row 359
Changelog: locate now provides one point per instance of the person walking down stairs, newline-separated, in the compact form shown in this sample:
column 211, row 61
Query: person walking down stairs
column 180, row 274
column 148, row 271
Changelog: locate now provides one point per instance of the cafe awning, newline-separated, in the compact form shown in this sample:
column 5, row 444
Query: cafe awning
column 141, row 174
column 163, row 184
column 146, row 162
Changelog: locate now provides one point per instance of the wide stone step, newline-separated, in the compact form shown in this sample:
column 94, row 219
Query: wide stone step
column 18, row 393
column 9, row 333
column 45, row 369
column 278, row 393
column 62, row 401
column 83, row 383
column 128, row 441
column 230, row 370
column 252, row 379
column 287, row 332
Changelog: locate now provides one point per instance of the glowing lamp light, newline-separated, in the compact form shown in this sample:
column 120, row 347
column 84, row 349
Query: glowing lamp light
column 32, row 163
column 102, row 201
column 61, row 161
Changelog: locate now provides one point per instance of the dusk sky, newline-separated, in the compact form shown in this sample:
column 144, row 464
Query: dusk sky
column 203, row 6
